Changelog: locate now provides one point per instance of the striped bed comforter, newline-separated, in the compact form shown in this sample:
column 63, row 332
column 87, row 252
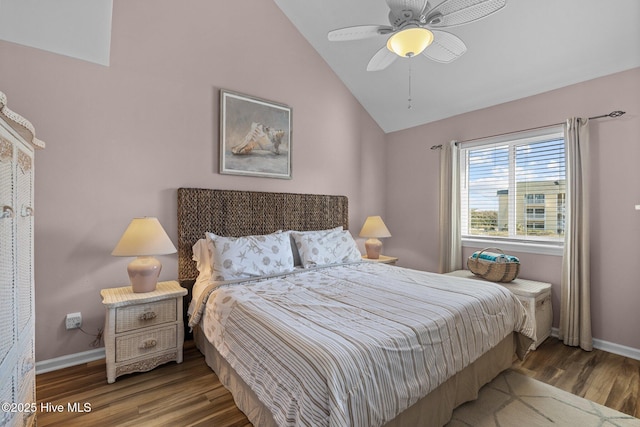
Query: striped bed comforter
column 356, row 344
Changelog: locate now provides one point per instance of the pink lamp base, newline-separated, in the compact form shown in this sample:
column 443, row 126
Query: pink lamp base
column 373, row 247
column 143, row 273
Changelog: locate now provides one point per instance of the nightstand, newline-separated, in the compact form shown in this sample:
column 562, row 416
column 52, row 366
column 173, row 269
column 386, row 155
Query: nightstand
column 534, row 296
column 142, row 330
column 383, row 259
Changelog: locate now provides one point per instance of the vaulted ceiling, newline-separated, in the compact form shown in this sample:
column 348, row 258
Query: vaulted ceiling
column 527, row 47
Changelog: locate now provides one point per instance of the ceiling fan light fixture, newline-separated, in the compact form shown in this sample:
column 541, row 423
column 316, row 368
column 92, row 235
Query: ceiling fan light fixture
column 410, row 41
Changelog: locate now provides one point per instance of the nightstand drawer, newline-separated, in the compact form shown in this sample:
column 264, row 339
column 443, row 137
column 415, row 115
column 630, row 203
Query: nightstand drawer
column 142, row 315
column 152, row 341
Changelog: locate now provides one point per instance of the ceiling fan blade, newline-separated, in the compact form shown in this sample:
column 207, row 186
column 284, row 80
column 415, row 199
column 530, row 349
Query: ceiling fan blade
column 458, row 12
column 414, row 5
column 445, row 48
column 359, row 32
column 381, row 60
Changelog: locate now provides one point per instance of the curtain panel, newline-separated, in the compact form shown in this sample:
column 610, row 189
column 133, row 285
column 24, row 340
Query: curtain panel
column 450, row 238
column 575, row 298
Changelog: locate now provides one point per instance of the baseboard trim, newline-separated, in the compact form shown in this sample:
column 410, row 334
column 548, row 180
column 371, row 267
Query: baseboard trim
column 69, row 360
column 621, row 350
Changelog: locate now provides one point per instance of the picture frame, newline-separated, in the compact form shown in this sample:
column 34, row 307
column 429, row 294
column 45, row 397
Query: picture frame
column 255, row 136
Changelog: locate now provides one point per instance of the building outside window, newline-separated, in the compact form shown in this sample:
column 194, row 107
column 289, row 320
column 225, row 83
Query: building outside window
column 540, row 214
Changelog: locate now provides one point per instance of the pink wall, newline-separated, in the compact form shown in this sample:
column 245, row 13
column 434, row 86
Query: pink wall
column 160, row 93
column 412, row 192
column 159, row 99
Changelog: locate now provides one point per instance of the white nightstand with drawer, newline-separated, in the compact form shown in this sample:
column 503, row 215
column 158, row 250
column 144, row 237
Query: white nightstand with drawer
column 534, row 296
column 142, row 330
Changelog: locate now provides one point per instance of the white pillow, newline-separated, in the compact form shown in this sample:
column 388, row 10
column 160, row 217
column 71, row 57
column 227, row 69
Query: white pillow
column 202, row 257
column 294, row 248
column 326, row 247
column 250, row 256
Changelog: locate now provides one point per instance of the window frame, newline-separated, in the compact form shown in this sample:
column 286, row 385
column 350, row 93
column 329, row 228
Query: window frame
column 548, row 247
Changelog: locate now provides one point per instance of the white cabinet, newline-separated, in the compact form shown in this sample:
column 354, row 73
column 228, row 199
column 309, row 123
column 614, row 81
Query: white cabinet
column 534, row 296
column 142, row 330
column 17, row 326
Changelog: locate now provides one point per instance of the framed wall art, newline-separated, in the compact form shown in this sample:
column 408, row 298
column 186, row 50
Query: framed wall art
column 255, row 136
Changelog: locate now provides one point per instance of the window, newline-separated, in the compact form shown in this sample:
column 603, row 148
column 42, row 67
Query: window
column 534, row 199
column 535, row 214
column 513, row 188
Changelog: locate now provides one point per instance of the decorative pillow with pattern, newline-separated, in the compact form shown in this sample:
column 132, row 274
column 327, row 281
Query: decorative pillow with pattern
column 326, row 247
column 294, row 248
column 250, row 256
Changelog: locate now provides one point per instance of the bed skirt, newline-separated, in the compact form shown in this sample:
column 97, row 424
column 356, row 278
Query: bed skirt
column 435, row 409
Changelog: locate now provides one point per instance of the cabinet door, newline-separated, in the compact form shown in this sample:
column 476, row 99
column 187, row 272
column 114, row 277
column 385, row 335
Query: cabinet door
column 7, row 248
column 24, row 237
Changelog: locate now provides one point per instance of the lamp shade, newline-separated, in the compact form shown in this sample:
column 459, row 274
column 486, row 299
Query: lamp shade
column 374, row 227
column 144, row 237
column 410, row 42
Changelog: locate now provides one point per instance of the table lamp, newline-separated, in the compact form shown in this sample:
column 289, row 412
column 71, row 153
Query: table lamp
column 372, row 229
column 144, row 238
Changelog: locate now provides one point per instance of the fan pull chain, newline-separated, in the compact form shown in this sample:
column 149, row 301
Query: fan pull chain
column 409, row 106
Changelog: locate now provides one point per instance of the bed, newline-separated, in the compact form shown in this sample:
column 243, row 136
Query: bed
column 341, row 342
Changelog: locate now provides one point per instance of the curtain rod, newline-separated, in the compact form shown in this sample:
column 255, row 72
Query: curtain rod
column 612, row 114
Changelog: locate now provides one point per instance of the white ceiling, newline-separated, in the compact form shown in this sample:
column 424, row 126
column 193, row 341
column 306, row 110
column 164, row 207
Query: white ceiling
column 76, row 28
column 526, row 48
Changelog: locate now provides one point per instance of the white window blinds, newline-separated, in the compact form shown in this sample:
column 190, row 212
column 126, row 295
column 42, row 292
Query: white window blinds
column 513, row 187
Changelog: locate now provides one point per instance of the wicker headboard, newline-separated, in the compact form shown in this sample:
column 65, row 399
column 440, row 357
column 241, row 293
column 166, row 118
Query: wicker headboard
column 242, row 213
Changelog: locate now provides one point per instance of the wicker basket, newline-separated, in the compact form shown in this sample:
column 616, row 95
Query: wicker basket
column 494, row 271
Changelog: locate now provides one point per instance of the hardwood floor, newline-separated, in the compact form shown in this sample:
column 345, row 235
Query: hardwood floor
column 190, row 394
column 605, row 378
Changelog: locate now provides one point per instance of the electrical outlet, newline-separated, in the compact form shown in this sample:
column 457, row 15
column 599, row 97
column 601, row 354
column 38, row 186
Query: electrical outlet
column 73, row 321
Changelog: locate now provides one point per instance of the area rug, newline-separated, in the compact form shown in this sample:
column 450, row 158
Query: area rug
column 513, row 399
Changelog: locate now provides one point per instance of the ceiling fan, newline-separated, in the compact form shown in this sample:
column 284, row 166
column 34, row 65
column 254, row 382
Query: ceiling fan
column 415, row 28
